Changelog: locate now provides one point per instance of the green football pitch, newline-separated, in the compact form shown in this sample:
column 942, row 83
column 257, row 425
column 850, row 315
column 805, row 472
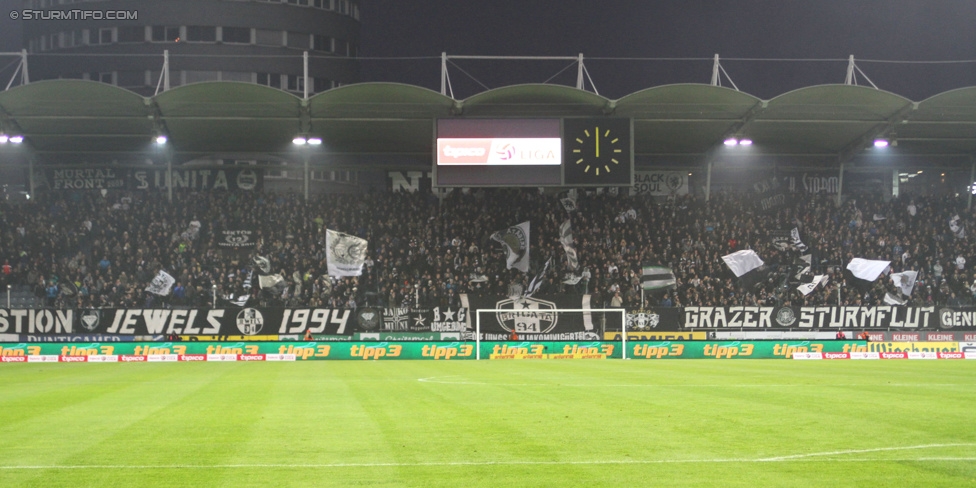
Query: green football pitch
column 490, row 423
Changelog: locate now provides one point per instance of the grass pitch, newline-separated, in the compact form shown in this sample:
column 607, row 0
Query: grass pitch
column 490, row 423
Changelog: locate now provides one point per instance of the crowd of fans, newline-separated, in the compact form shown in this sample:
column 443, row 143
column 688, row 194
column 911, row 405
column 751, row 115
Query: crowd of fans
column 92, row 250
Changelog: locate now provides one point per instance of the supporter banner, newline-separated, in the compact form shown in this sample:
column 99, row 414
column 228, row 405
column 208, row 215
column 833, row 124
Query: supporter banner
column 536, row 318
column 957, row 318
column 660, row 183
column 228, row 338
column 770, row 194
column 408, row 320
column 237, row 238
column 197, row 179
column 811, row 317
column 86, row 179
column 733, row 350
column 531, row 315
column 137, row 321
column 109, row 178
column 655, row 319
column 828, row 182
column 813, row 182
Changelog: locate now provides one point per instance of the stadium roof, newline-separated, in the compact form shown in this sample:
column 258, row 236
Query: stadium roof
column 63, row 119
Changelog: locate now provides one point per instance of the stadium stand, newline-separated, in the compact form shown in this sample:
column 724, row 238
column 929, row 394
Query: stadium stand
column 425, row 251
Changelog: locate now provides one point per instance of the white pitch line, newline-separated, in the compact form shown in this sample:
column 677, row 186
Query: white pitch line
column 443, row 380
column 859, row 451
column 782, row 459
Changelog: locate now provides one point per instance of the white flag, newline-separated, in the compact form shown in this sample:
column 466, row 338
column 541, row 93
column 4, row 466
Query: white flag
column 346, row 254
column 905, row 280
column 270, row 282
column 742, row 262
column 807, row 288
column 516, row 242
column 867, row 269
column 162, row 284
column 893, row 300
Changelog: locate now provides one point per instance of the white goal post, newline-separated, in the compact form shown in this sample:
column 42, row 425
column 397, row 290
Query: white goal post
column 588, row 317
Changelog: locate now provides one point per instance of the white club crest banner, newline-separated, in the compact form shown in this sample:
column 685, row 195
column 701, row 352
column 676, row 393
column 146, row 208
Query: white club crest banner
column 162, row 284
column 345, row 254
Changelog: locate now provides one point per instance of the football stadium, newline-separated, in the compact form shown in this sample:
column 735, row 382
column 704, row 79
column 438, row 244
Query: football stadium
column 536, row 285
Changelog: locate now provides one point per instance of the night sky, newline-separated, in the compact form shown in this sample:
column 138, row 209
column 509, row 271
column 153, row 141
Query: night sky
column 916, row 30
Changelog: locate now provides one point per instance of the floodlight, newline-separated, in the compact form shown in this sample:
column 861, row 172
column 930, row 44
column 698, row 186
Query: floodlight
column 880, row 143
column 4, row 138
column 299, row 141
column 16, row 139
column 730, row 141
column 745, row 142
column 315, row 141
column 161, row 139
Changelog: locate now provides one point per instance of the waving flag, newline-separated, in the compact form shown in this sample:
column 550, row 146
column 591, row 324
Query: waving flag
column 516, row 242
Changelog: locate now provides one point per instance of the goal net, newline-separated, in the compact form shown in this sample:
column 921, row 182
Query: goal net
column 555, row 324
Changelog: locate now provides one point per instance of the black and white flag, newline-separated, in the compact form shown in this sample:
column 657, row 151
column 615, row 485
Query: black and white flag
column 162, row 284
column 262, row 263
column 795, row 240
column 569, row 203
column 958, row 230
column 516, row 242
column 346, row 254
column 657, row 278
column 807, row 288
column 538, row 279
column 566, row 239
column 905, row 281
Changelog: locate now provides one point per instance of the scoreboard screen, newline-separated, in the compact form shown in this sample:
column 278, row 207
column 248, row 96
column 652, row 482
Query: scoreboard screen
column 593, row 151
column 498, row 152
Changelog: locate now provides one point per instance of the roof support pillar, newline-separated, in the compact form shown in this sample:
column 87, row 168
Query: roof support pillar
column 708, row 180
column 305, row 73
column 444, row 73
column 715, row 72
column 579, row 72
column 306, row 177
column 840, row 185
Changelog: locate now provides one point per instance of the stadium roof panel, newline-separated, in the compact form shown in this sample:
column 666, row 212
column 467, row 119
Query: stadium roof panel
column 681, row 122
